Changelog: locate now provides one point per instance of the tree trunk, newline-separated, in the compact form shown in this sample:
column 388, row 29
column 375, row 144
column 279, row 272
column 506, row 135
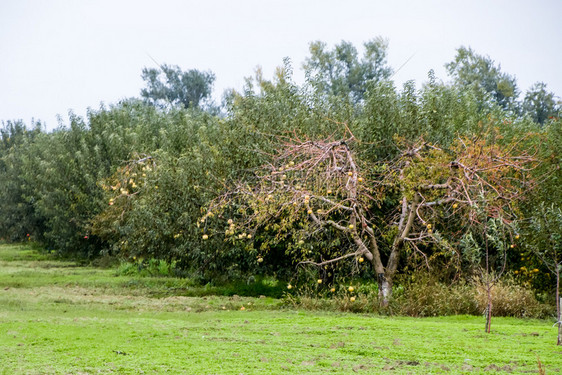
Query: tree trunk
column 558, row 305
column 385, row 289
column 559, row 342
column 489, row 310
column 373, row 254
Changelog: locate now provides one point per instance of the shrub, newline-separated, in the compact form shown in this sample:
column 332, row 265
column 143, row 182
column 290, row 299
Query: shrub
column 422, row 295
column 512, row 299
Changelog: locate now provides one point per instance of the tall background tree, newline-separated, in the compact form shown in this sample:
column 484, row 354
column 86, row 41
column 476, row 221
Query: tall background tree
column 480, row 73
column 340, row 71
column 169, row 85
column 540, row 104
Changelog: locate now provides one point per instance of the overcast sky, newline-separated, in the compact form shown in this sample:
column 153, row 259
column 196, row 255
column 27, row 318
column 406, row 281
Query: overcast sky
column 61, row 55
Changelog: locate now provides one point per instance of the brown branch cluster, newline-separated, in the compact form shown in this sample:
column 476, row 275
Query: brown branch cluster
column 470, row 174
column 312, row 185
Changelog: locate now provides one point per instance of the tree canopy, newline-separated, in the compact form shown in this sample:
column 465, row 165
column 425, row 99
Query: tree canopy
column 540, row 104
column 470, row 69
column 340, row 71
column 169, row 85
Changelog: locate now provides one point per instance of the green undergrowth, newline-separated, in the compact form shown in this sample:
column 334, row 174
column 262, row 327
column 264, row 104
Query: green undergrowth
column 423, row 298
column 26, row 267
column 58, row 318
column 23, row 266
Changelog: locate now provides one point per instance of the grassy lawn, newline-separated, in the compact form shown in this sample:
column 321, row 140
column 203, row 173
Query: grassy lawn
column 58, row 318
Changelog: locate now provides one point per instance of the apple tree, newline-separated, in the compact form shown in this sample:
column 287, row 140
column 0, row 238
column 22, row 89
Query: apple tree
column 312, row 188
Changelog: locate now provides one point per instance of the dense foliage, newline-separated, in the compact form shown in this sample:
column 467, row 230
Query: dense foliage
column 139, row 179
column 170, row 86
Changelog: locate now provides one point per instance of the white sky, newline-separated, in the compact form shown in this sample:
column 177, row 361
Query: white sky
column 61, row 55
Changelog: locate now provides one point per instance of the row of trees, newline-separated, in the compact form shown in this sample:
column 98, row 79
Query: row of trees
column 460, row 177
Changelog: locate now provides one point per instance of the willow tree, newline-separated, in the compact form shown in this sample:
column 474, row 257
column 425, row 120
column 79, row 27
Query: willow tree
column 314, row 187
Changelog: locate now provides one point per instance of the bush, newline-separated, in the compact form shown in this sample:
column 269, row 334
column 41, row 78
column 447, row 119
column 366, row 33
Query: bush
column 422, row 295
column 512, row 299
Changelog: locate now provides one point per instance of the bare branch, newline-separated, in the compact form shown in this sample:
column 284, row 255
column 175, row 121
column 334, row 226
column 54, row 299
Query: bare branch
column 326, row 262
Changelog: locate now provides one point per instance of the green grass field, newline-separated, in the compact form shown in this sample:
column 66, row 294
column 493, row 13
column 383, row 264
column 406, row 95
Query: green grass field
column 59, row 318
